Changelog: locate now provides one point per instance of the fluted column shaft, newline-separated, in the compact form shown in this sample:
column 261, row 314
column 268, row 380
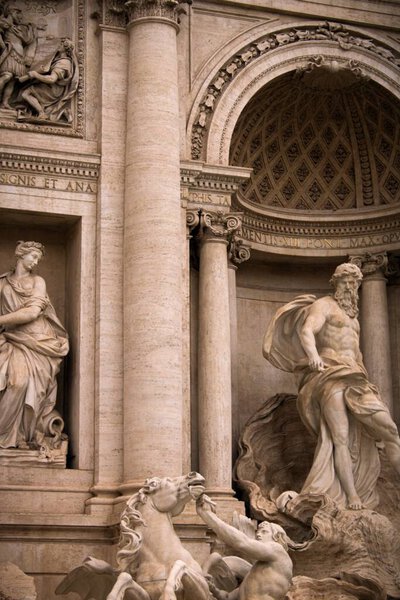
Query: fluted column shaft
column 214, row 375
column 153, row 254
column 374, row 324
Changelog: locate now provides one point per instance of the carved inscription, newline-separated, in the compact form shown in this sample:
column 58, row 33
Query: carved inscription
column 48, row 183
column 207, row 198
column 314, row 243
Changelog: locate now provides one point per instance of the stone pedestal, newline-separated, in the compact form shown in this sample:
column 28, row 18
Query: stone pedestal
column 374, row 323
column 153, row 252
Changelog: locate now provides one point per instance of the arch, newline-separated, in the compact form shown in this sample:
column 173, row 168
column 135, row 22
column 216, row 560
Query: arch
column 221, row 101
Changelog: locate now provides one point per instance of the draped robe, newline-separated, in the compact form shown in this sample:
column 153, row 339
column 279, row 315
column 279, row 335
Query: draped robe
column 283, row 348
column 30, row 357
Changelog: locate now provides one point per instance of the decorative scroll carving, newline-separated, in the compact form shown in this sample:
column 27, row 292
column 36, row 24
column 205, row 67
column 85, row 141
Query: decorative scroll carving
column 238, row 251
column 332, row 67
column 42, row 77
column 219, row 224
column 371, row 263
column 332, row 32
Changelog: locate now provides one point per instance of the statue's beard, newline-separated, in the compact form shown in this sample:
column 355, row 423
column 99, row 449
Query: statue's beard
column 348, row 301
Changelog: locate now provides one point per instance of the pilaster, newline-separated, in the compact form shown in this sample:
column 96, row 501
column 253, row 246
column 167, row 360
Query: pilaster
column 238, row 252
column 109, row 271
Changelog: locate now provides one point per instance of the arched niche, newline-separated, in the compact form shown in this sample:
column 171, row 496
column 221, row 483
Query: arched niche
column 230, row 86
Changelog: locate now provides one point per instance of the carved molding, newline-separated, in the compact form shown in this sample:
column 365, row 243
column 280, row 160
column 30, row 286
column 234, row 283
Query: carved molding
column 48, row 165
column 324, row 32
column 338, row 237
column 79, row 38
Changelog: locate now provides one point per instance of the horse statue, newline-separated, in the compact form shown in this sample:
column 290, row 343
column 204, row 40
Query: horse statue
column 152, row 563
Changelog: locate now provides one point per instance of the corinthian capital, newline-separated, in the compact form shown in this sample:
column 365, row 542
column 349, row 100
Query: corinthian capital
column 219, row 225
column 168, row 9
column 371, row 264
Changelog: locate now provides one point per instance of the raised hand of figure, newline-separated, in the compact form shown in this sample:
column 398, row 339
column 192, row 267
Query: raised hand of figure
column 205, row 503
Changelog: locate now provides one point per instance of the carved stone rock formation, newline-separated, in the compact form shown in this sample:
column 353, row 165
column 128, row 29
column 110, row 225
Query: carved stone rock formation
column 15, row 584
column 276, row 452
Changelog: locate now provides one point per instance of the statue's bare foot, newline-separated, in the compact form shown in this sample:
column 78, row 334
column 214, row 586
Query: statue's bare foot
column 6, row 106
column 355, row 503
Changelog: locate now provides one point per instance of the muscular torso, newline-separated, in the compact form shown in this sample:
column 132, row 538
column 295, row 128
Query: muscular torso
column 339, row 336
column 268, row 580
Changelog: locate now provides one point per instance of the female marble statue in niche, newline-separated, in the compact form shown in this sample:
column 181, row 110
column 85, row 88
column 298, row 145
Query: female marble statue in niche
column 32, row 345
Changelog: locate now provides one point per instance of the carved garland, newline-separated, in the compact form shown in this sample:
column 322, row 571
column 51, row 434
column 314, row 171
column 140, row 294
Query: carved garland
column 79, row 130
column 327, row 32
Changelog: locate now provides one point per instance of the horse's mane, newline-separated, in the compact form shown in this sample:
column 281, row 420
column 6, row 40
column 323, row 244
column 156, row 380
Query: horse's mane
column 130, row 540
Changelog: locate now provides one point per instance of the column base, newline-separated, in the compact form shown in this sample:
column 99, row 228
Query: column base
column 103, row 500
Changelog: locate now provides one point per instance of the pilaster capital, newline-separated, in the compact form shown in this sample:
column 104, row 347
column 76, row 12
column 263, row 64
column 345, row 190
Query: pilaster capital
column 218, row 226
column 165, row 9
column 238, row 252
column 371, row 264
column 112, row 15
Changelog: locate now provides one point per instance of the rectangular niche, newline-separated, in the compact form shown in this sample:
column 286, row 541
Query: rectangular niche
column 61, row 270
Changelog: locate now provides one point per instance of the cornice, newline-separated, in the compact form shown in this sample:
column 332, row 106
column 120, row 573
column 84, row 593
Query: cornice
column 50, row 165
column 203, row 177
column 319, row 228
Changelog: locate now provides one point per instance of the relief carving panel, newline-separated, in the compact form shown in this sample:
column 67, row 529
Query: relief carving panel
column 41, row 65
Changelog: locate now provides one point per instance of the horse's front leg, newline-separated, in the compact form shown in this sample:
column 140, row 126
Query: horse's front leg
column 183, row 578
column 125, row 583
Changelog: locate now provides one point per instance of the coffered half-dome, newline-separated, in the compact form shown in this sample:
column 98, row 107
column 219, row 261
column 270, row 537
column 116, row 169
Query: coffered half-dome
column 324, row 140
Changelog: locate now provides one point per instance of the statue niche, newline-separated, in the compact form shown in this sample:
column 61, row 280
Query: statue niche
column 33, row 343
column 37, row 87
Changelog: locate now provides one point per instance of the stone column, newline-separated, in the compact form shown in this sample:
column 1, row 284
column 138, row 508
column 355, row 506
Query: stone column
column 374, row 323
column 153, row 255
column 214, row 372
column 238, row 252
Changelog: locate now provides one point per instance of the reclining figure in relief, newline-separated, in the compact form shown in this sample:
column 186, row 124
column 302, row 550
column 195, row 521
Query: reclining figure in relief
column 154, row 565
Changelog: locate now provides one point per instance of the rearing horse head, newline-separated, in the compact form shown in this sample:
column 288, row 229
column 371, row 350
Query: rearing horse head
column 171, row 494
column 168, row 495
